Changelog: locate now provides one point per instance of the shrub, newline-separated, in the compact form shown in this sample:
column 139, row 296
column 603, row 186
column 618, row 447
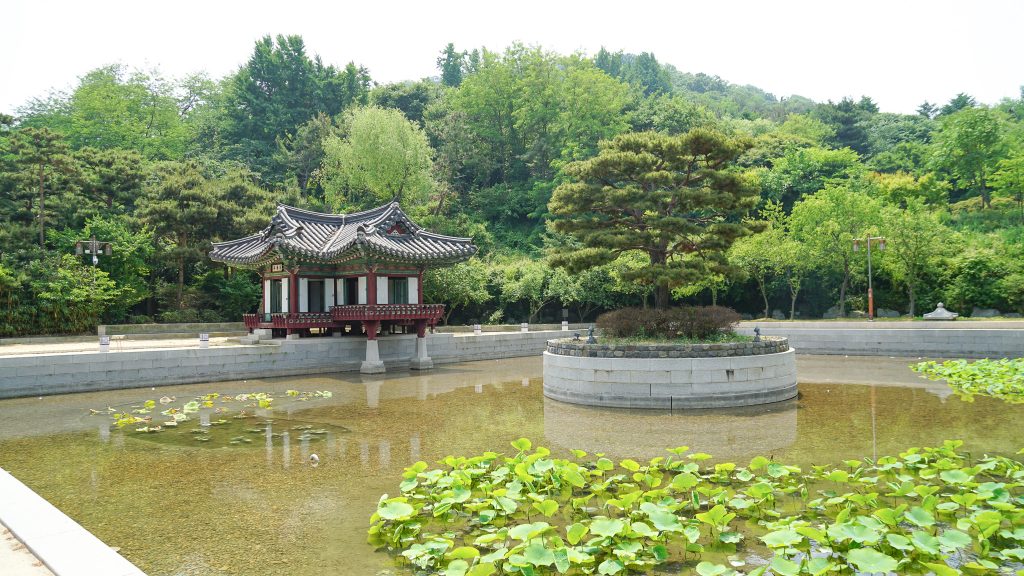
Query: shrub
column 693, row 322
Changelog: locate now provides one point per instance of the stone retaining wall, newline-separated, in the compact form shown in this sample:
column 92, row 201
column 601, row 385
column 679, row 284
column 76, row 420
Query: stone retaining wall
column 42, row 374
column 767, row 345
column 180, row 328
column 671, row 383
column 914, row 339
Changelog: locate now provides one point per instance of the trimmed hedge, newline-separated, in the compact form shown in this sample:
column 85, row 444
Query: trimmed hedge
column 693, row 322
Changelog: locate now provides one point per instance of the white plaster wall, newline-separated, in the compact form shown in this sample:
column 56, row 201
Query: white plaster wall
column 285, row 296
column 266, row 296
column 362, row 290
column 382, row 289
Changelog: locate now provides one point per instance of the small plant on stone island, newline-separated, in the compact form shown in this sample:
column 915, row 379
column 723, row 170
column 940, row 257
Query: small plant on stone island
column 1003, row 379
column 925, row 511
column 689, row 322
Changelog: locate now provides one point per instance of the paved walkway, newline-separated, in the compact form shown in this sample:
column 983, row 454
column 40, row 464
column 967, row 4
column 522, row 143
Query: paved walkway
column 116, row 344
column 16, row 560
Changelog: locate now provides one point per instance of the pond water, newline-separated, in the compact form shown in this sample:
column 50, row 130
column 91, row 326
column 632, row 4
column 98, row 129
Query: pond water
column 174, row 506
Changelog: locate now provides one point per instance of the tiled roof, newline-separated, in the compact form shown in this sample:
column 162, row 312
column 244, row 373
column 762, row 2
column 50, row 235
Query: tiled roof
column 384, row 233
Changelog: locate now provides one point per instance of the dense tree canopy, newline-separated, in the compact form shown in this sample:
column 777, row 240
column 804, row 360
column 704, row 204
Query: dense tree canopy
column 163, row 166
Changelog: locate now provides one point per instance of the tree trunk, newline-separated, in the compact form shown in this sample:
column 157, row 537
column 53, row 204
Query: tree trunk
column 910, row 289
column 764, row 296
column 842, row 289
column 662, row 296
column 181, row 281
column 42, row 209
column 792, row 303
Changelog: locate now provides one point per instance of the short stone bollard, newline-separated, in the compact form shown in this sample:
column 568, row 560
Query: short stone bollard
column 477, row 330
column 524, row 327
column 204, row 340
column 565, row 325
column 104, row 343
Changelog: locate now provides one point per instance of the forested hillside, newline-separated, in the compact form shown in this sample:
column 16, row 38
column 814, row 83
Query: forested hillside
column 161, row 167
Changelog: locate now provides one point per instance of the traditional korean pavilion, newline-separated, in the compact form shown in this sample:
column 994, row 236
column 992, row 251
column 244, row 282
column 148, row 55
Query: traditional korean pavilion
column 357, row 274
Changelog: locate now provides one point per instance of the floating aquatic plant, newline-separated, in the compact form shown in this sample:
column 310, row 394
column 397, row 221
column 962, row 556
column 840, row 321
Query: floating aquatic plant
column 1003, row 379
column 926, row 511
column 173, row 414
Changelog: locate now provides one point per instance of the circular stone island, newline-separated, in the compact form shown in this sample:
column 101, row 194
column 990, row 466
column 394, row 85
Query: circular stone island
column 670, row 376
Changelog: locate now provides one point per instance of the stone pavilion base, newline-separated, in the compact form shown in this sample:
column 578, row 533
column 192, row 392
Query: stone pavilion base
column 670, row 376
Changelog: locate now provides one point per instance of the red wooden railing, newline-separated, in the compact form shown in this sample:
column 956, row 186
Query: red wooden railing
column 432, row 313
column 429, row 312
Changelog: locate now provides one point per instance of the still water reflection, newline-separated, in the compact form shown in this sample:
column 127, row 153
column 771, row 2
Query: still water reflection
column 259, row 508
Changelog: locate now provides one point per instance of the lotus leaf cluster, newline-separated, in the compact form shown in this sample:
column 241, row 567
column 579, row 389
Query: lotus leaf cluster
column 172, row 411
column 1003, row 379
column 926, row 511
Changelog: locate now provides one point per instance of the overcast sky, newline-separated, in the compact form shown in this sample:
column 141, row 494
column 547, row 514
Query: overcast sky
column 899, row 52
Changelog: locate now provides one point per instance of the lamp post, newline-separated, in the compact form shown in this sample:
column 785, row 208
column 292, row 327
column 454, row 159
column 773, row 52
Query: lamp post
column 94, row 248
column 881, row 246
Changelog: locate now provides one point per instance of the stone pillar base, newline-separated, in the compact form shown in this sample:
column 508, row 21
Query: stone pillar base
column 373, row 363
column 421, row 364
column 421, row 361
column 371, row 367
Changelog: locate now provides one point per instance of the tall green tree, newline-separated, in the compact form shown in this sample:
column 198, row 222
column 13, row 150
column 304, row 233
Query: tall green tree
column 181, row 208
column 827, row 223
column 276, row 91
column 451, row 65
column 1008, row 181
column 112, row 179
column 114, row 107
column 677, row 199
column 804, row 171
column 969, row 145
column 460, row 287
column 39, row 156
column 916, row 237
column 382, row 157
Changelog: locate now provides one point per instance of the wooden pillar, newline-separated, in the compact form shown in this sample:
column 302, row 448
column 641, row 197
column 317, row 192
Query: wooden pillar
column 293, row 291
column 419, row 291
column 264, row 302
column 371, row 286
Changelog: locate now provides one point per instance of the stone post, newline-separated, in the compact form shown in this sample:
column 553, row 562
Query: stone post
column 565, row 325
column 421, row 361
column 524, row 327
column 477, row 330
column 372, row 364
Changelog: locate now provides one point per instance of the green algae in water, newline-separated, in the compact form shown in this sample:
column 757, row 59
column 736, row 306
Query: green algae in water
column 927, row 511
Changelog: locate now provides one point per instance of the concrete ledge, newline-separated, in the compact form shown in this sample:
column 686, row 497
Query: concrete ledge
column 671, row 383
column 44, row 374
column 59, row 542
